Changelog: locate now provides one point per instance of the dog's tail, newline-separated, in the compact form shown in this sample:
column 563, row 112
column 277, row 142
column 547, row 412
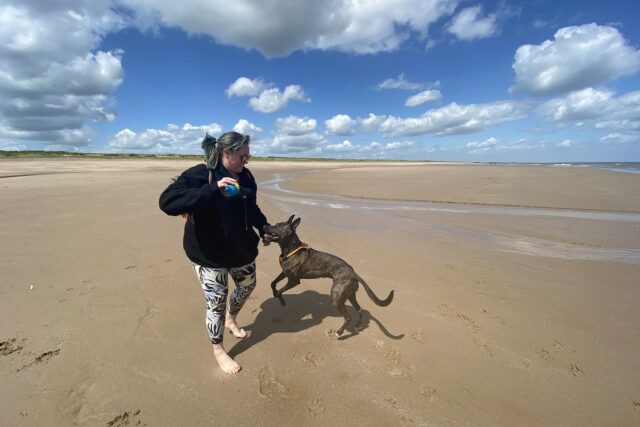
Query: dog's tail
column 374, row 298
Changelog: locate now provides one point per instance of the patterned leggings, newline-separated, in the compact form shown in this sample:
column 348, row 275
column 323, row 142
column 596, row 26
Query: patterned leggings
column 214, row 285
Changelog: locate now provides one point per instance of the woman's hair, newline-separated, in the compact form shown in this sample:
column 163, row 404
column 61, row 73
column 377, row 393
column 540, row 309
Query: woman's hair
column 213, row 148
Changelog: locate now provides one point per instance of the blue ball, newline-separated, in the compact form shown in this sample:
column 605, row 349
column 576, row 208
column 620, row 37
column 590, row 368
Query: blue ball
column 231, row 190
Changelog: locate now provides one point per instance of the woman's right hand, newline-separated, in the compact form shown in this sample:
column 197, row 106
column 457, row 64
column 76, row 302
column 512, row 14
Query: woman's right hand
column 224, row 182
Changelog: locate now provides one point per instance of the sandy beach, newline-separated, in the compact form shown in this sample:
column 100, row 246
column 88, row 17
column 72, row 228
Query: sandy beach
column 516, row 299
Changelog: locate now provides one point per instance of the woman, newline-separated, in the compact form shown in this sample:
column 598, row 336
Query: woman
column 219, row 238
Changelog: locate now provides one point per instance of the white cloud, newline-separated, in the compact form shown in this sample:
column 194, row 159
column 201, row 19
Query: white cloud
column 245, row 127
column 399, row 83
column 294, row 125
column 296, row 135
column 521, row 145
column 580, row 105
column 272, row 100
column 453, row 119
column 172, row 139
column 345, row 146
column 436, row 149
column 468, row 24
column 482, row 146
column 309, row 142
column 340, row 124
column 622, row 125
column 53, row 79
column 539, row 23
column 616, row 137
column 244, row 86
column 12, row 146
column 278, row 27
column 372, row 26
column 490, row 142
column 601, row 106
column 578, row 57
column 397, row 145
column 372, row 122
column 565, row 143
column 430, row 95
column 269, row 99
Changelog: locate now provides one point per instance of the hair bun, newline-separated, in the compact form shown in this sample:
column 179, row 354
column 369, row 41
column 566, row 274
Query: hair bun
column 209, row 147
column 208, row 141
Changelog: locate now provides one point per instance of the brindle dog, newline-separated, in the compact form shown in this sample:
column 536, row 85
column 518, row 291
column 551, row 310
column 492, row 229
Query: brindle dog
column 299, row 261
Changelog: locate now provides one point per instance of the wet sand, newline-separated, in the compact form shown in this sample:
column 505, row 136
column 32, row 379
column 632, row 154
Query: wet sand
column 516, row 299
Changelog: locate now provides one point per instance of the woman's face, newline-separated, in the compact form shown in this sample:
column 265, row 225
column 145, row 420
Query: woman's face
column 234, row 162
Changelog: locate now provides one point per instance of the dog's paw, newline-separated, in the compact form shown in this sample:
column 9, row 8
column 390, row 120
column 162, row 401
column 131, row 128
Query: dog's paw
column 281, row 300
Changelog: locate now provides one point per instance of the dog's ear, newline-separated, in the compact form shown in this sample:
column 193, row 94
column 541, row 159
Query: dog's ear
column 290, row 219
column 295, row 224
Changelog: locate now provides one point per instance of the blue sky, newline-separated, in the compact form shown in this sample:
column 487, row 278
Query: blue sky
column 537, row 81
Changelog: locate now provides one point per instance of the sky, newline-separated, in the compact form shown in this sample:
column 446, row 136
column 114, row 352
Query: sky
column 486, row 81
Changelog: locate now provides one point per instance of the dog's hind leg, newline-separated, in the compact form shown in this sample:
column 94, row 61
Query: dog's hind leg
column 339, row 295
column 342, row 308
column 354, row 303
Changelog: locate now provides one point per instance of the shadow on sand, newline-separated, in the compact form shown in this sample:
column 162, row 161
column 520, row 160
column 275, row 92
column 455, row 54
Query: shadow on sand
column 302, row 311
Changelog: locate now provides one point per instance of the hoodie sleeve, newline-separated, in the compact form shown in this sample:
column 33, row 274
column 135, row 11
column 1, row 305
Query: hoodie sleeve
column 260, row 220
column 185, row 195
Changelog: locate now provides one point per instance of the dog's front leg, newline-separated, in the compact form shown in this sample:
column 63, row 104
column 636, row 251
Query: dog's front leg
column 290, row 284
column 275, row 281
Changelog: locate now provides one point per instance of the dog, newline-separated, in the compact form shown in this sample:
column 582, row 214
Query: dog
column 299, row 261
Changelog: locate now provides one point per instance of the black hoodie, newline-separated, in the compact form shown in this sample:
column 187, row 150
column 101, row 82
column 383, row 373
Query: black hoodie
column 219, row 232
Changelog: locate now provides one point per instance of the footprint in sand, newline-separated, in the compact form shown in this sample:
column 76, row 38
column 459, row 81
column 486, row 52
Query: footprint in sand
column 129, row 267
column 418, row 335
column 449, row 313
column 309, row 360
column 393, row 356
column 331, row 335
column 428, row 392
column 494, row 316
column 636, row 405
column 315, row 407
column 391, row 401
column 575, row 370
column 552, row 353
column 9, row 347
column 558, row 352
column 43, row 358
column 399, row 372
column 393, row 359
column 124, row 419
column 269, row 384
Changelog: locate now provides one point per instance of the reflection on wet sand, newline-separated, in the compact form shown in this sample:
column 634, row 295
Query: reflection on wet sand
column 318, row 206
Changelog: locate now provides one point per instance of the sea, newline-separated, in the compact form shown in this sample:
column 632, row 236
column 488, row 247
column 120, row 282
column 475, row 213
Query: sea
column 623, row 167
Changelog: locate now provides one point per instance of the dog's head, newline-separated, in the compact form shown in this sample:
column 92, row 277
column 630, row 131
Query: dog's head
column 282, row 232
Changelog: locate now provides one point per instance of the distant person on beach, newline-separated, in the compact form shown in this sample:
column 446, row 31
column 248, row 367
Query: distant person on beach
column 219, row 237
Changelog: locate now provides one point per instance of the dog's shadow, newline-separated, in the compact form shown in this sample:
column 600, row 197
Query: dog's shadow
column 302, row 311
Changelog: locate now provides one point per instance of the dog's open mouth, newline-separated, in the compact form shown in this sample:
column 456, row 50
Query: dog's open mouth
column 268, row 238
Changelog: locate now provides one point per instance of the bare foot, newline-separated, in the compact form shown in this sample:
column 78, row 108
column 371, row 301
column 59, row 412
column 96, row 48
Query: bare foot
column 226, row 363
column 231, row 324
